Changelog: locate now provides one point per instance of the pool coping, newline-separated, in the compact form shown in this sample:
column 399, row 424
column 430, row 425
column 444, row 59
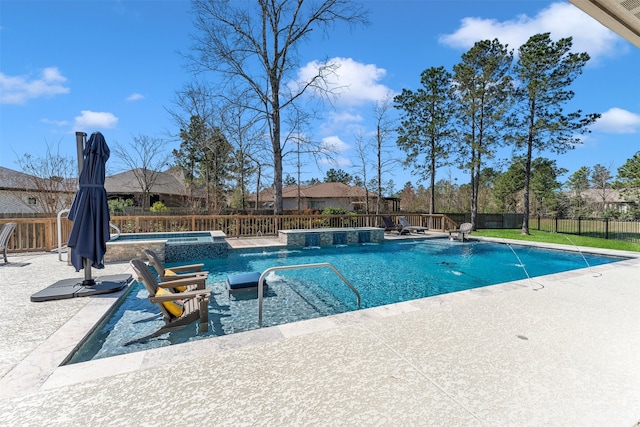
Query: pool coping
column 42, row 369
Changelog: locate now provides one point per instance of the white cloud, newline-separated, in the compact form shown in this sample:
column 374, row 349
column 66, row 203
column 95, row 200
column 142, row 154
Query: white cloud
column 345, row 117
column 135, row 97
column 334, row 144
column 20, row 89
column 617, row 120
column 336, row 161
column 341, row 121
column 337, row 148
column 559, row 19
column 352, row 82
column 87, row 120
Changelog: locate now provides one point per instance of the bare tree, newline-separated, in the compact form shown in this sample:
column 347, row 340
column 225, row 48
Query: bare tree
column 203, row 147
column 260, row 164
column 297, row 143
column 243, row 131
column 363, row 166
column 50, row 181
column 384, row 129
column 601, row 182
column 194, row 99
column 253, row 52
column 145, row 158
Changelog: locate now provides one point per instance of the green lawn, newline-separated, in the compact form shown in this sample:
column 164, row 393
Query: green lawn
column 563, row 239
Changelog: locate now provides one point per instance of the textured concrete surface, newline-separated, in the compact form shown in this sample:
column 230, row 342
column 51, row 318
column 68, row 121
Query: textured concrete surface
column 557, row 350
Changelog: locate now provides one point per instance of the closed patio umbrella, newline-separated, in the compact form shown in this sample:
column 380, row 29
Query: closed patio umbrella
column 90, row 211
column 90, row 230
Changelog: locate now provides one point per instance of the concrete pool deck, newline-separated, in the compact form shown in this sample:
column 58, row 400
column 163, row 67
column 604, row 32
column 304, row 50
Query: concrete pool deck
column 562, row 350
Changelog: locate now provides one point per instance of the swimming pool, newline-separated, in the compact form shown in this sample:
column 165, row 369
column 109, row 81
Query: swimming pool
column 383, row 274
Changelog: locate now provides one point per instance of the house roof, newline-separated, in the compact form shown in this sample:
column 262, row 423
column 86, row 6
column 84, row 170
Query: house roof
column 325, row 190
column 610, row 195
column 620, row 16
column 15, row 180
column 170, row 182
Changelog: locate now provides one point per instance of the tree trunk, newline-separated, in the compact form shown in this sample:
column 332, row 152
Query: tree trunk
column 277, row 148
column 527, row 179
column 277, row 181
column 379, row 201
column 527, row 171
column 432, row 172
column 258, row 187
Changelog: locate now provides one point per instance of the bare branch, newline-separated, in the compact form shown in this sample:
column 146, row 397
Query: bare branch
column 255, row 53
column 146, row 158
column 50, row 181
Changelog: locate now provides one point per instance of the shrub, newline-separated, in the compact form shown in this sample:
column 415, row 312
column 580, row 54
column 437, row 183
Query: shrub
column 118, row 205
column 158, row 207
column 339, row 222
column 337, row 211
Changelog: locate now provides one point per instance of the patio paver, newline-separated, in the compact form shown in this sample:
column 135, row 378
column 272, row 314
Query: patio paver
column 556, row 350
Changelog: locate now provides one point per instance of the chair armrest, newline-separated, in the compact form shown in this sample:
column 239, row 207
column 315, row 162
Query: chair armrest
column 196, row 267
column 181, row 296
column 191, row 276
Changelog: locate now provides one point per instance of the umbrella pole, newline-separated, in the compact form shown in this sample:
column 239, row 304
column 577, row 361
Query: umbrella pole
column 81, row 139
column 88, row 280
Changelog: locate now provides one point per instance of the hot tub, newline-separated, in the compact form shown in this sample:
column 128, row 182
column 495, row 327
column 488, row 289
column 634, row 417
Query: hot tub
column 170, row 246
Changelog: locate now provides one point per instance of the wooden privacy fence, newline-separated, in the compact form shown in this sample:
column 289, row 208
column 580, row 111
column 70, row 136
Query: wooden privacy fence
column 490, row 221
column 34, row 234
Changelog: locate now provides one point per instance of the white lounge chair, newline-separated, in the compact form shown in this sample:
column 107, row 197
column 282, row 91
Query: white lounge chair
column 462, row 232
column 5, row 234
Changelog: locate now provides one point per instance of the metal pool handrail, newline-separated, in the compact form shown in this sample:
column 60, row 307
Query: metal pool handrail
column 298, row 267
column 59, row 220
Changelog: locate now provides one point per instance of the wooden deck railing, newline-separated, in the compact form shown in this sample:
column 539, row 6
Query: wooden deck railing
column 34, row 234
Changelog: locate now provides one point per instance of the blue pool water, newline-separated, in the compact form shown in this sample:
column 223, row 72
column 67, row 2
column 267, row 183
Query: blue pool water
column 383, row 274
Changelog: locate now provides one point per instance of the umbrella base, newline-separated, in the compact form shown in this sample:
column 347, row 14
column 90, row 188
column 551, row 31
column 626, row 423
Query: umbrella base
column 74, row 288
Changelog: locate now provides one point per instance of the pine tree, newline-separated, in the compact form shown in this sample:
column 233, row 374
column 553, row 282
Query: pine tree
column 544, row 71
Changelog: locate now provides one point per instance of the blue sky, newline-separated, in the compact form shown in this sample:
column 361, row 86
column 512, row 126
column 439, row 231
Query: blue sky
column 114, row 67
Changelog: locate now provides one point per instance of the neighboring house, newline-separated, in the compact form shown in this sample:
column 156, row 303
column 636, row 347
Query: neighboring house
column 317, row 197
column 169, row 187
column 21, row 193
column 607, row 199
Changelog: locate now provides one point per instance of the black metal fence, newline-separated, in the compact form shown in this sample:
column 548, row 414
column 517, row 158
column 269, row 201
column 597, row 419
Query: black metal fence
column 604, row 228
